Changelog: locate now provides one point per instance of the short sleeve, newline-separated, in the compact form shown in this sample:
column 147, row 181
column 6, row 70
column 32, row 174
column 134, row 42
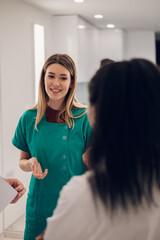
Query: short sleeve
column 19, row 140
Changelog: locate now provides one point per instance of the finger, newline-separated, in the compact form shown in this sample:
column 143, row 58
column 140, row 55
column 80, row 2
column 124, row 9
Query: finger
column 45, row 173
column 41, row 175
column 37, row 175
column 35, row 172
column 37, row 168
column 15, row 199
column 34, row 166
column 22, row 192
column 19, row 195
column 15, row 182
column 19, row 187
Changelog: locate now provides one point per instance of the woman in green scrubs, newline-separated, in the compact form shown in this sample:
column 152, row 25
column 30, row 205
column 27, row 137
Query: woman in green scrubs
column 52, row 137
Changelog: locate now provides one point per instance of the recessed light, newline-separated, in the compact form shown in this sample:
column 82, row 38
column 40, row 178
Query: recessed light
column 79, row 1
column 81, row 26
column 110, row 26
column 98, row 16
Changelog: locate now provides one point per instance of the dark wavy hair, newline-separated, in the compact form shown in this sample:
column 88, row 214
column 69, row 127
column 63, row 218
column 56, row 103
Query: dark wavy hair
column 106, row 61
column 125, row 155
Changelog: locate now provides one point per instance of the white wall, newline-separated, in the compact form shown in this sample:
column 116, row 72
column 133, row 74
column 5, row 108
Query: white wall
column 64, row 36
column 94, row 45
column 80, row 44
column 111, row 44
column 87, row 50
column 140, row 44
column 17, row 82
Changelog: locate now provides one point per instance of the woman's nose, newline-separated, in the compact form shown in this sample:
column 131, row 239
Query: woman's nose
column 56, row 82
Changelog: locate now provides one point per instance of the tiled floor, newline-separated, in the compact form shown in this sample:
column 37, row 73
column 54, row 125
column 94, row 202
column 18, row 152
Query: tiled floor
column 15, row 231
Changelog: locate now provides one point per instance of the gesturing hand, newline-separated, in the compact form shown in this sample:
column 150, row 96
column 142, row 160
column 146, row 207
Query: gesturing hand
column 18, row 186
column 36, row 169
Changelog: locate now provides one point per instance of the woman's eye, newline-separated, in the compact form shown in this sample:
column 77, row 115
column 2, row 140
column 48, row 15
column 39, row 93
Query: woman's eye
column 63, row 78
column 50, row 76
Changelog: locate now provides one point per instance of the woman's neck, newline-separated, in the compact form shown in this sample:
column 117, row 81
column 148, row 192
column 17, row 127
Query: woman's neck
column 55, row 105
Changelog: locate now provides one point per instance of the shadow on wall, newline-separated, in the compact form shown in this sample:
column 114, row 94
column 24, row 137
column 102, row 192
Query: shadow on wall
column 82, row 92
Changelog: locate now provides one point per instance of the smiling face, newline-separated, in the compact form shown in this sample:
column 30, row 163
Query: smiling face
column 57, row 83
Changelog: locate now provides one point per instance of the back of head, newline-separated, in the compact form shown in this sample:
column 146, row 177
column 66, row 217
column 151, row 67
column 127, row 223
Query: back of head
column 126, row 144
column 106, row 61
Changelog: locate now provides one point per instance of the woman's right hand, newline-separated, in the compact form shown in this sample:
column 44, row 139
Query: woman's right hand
column 36, row 169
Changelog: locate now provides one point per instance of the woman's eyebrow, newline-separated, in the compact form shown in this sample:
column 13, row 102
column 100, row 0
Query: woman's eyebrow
column 51, row 73
column 63, row 74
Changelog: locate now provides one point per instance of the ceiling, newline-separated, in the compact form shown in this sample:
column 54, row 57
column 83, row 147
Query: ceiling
column 125, row 14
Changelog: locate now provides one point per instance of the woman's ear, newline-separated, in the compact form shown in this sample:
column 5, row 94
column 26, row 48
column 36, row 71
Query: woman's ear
column 71, row 84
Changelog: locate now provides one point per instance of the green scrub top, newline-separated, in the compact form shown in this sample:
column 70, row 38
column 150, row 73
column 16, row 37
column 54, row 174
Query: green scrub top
column 57, row 148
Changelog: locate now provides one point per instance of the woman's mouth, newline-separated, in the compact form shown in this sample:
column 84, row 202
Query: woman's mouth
column 55, row 90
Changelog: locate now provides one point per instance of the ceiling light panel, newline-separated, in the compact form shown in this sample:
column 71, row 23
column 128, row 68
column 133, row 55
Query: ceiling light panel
column 98, row 16
column 110, row 26
column 78, row 1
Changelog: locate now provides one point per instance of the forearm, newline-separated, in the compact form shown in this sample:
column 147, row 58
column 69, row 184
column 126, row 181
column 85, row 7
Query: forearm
column 25, row 165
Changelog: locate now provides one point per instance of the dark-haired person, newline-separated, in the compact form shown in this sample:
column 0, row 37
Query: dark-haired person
column 119, row 199
column 85, row 156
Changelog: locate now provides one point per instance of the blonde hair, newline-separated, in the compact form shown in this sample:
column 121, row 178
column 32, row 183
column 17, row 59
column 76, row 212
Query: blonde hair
column 65, row 113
